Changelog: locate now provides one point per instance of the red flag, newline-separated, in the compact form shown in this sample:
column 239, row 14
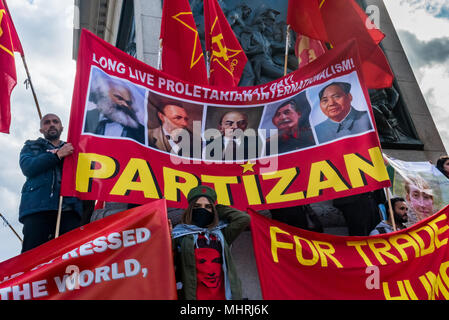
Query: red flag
column 9, row 43
column 345, row 20
column 304, row 17
column 227, row 56
column 182, row 55
column 307, row 49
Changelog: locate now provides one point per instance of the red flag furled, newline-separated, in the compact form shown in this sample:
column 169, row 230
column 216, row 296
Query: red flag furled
column 345, row 20
column 9, row 43
column 307, row 50
column 182, row 55
column 125, row 256
column 227, row 56
column 304, row 18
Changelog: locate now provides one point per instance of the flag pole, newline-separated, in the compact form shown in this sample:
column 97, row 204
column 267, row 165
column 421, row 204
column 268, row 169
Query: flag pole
column 287, row 44
column 390, row 209
column 208, row 65
column 58, row 220
column 6, row 221
column 28, row 80
column 159, row 57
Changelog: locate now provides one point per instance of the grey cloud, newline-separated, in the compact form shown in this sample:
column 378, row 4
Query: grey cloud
column 423, row 53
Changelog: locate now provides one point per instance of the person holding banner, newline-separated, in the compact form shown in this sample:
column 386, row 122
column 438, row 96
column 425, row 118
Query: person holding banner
column 343, row 119
column 41, row 163
column 400, row 210
column 443, row 165
column 204, row 266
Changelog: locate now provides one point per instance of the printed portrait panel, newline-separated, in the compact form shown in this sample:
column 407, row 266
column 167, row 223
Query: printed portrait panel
column 423, row 187
column 287, row 121
column 231, row 133
column 174, row 125
column 339, row 109
column 115, row 108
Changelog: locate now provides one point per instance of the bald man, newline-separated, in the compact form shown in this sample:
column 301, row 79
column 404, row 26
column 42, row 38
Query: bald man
column 174, row 123
column 234, row 143
column 41, row 162
column 342, row 118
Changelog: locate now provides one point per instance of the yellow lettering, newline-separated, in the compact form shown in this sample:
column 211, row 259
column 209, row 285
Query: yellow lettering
column 408, row 242
column 357, row 167
column 402, row 294
column 422, row 245
column 358, row 245
column 426, row 286
column 326, row 249
column 437, row 286
column 275, row 244
column 137, row 168
column 410, row 291
column 438, row 231
column 252, row 189
column 2, row 12
column 221, row 186
column 87, row 169
column 173, row 186
column 443, row 272
column 379, row 251
column 321, row 169
column 286, row 178
column 299, row 252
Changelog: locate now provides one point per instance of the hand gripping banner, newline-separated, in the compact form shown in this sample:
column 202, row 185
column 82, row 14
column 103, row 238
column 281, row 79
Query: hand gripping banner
column 140, row 134
column 109, row 259
column 295, row 264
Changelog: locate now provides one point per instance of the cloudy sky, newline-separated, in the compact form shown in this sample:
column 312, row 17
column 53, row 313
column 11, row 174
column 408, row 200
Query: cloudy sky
column 45, row 28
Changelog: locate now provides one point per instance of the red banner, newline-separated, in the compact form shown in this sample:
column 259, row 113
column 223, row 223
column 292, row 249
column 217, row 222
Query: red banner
column 9, row 43
column 410, row 264
column 109, row 259
column 140, row 134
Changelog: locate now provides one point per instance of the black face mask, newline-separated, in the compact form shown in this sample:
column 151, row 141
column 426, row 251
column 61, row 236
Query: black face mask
column 202, row 217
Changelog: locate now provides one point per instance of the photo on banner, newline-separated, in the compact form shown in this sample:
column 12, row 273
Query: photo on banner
column 421, row 184
column 339, row 109
column 233, row 128
column 289, row 118
column 115, row 107
column 174, row 125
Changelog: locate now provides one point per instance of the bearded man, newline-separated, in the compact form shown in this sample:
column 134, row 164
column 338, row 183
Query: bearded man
column 114, row 112
column 41, row 162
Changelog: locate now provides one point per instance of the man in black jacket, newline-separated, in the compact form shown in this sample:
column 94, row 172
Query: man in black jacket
column 41, row 163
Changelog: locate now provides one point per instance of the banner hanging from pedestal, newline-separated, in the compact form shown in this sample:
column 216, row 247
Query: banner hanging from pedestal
column 140, row 134
column 295, row 264
column 109, row 259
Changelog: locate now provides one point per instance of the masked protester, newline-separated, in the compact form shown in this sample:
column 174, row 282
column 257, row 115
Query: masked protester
column 204, row 266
